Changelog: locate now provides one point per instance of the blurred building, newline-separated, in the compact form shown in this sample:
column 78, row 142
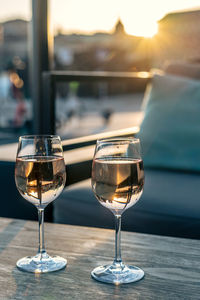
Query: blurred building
column 13, row 41
column 178, row 37
column 115, row 51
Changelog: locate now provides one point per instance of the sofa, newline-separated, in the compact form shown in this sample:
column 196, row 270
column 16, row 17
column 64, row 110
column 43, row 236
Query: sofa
column 170, row 139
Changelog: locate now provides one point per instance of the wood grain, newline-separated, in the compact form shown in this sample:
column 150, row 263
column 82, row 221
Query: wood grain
column 171, row 265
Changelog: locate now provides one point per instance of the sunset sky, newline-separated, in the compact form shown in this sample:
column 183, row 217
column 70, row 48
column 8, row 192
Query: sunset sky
column 139, row 17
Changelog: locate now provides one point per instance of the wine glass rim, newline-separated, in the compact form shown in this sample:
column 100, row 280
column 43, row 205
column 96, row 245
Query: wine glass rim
column 119, row 140
column 44, row 136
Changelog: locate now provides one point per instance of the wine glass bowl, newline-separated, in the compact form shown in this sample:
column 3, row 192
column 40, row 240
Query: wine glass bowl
column 40, row 191
column 40, row 177
column 117, row 182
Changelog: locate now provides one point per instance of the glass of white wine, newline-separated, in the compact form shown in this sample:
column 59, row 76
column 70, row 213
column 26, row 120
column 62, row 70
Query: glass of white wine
column 117, row 182
column 40, row 177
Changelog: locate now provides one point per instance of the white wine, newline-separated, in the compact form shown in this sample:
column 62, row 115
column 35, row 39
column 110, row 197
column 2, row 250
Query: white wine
column 40, row 179
column 117, row 182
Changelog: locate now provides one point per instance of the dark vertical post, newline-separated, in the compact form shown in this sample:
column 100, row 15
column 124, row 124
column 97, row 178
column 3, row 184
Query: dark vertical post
column 40, row 61
column 49, row 89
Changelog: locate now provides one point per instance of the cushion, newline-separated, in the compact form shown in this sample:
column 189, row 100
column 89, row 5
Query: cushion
column 170, row 131
column 168, row 206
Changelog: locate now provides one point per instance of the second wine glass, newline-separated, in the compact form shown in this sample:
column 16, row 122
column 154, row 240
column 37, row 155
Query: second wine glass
column 117, row 182
column 40, row 177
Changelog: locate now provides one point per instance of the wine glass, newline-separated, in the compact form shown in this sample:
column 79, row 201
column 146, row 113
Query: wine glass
column 117, row 182
column 40, row 178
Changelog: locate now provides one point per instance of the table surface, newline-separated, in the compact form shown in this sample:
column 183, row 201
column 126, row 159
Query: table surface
column 171, row 265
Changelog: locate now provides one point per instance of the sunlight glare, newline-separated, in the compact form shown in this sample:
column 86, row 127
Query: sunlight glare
column 145, row 29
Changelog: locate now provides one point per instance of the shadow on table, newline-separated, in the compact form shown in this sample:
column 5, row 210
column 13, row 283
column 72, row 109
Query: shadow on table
column 39, row 286
column 9, row 233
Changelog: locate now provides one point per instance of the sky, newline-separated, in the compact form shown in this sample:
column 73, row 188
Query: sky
column 87, row 16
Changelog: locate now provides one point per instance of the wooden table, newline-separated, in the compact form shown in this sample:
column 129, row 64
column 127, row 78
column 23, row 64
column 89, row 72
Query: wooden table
column 171, row 265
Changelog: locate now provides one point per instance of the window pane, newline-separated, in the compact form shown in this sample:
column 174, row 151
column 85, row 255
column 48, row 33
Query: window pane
column 84, row 108
column 119, row 36
column 15, row 99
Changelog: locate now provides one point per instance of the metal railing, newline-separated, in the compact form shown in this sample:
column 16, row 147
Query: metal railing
column 47, row 122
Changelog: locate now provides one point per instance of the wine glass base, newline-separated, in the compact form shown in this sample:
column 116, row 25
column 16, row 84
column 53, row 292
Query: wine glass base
column 117, row 275
column 41, row 263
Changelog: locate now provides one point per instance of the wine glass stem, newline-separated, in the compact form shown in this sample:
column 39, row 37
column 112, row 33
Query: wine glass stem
column 117, row 260
column 41, row 248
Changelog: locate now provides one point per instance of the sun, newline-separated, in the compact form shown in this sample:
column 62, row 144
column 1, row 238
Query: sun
column 150, row 30
column 143, row 29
